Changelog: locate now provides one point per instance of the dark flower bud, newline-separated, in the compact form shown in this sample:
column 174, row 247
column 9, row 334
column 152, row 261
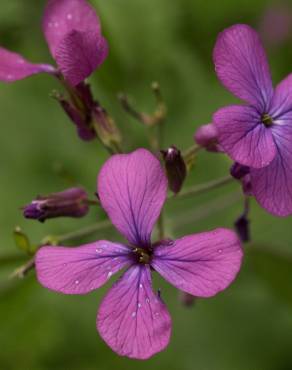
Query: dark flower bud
column 207, row 137
column 187, row 299
column 72, row 202
column 238, row 171
column 242, row 228
column 175, row 168
column 247, row 185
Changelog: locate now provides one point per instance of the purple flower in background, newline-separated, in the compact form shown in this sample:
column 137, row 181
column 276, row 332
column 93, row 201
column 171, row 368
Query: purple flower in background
column 257, row 135
column 132, row 318
column 73, row 33
column 72, row 202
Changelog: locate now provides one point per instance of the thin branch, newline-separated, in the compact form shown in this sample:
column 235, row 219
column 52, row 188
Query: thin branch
column 202, row 188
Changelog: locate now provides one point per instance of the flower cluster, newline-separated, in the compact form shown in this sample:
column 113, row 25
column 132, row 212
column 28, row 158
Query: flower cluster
column 132, row 188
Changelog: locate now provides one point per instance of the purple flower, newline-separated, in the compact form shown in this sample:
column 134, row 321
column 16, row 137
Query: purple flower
column 257, row 135
column 132, row 318
column 68, row 203
column 73, row 33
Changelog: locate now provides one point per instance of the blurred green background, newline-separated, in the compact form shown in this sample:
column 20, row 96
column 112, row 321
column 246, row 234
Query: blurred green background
column 249, row 326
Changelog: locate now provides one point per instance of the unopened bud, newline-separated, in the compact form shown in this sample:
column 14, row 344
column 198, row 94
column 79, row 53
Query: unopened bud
column 238, row 171
column 187, row 299
column 72, row 202
column 80, row 117
column 175, row 168
column 207, row 137
column 105, row 127
column 242, row 228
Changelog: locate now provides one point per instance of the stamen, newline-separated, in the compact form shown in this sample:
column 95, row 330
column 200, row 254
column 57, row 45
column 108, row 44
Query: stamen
column 143, row 255
column 267, row 120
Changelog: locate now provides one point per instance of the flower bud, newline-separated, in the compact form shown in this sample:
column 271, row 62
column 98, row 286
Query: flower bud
column 207, row 137
column 187, row 299
column 72, row 202
column 242, row 228
column 238, row 171
column 81, row 117
column 105, row 127
column 175, row 168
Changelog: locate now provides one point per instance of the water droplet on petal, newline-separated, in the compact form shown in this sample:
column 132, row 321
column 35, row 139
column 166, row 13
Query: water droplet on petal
column 139, row 305
column 109, row 274
column 76, row 282
column 134, row 314
column 219, row 250
column 140, row 286
column 156, row 314
column 98, row 250
column 69, row 16
column 147, row 300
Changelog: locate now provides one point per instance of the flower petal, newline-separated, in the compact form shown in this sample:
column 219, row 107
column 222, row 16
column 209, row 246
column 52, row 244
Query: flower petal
column 61, row 17
column 242, row 67
column 244, row 137
column 282, row 99
column 272, row 185
column 200, row 264
column 132, row 319
column 82, row 269
column 14, row 67
column 132, row 189
column 79, row 54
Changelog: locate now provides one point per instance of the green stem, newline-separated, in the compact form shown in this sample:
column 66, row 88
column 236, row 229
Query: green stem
column 21, row 271
column 192, row 150
column 202, row 188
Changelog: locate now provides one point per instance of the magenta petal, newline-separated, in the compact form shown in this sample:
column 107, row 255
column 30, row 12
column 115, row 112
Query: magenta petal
column 61, row 17
column 242, row 67
column 132, row 189
column 82, row 269
column 14, row 67
column 200, row 264
column 132, row 319
column 272, row 185
column 282, row 100
column 79, row 54
column 243, row 137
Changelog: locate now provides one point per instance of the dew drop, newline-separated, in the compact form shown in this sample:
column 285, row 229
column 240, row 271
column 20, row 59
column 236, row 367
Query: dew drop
column 76, row 282
column 134, row 314
column 140, row 286
column 139, row 305
column 156, row 314
column 69, row 16
column 109, row 274
column 98, row 250
column 219, row 250
column 147, row 300
column 64, row 264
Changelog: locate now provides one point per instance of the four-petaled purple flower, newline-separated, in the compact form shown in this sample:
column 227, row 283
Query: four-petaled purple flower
column 257, row 135
column 132, row 319
column 73, row 33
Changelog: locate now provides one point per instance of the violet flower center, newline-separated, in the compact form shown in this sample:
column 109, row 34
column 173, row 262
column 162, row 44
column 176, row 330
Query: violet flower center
column 267, row 120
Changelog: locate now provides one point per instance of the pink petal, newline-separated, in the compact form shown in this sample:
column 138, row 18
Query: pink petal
column 79, row 54
column 82, row 269
column 61, row 17
column 132, row 319
column 271, row 185
column 202, row 264
column 14, row 67
column 244, row 137
column 242, row 67
column 132, row 189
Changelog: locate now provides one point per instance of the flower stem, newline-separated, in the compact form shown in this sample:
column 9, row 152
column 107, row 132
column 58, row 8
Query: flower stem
column 21, row 271
column 202, row 188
